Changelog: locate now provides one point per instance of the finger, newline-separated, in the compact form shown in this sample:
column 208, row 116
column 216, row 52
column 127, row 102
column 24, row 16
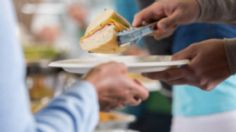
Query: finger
column 178, row 81
column 160, row 34
column 114, row 66
column 170, row 21
column 169, row 75
column 119, row 66
column 187, row 53
column 153, row 75
column 134, row 101
column 138, row 82
column 137, row 89
column 151, row 13
column 192, row 80
column 187, row 81
column 211, row 84
column 123, row 68
column 120, row 105
column 108, row 103
column 105, row 105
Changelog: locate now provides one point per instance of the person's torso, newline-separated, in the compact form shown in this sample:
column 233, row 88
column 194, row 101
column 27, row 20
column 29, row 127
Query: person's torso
column 191, row 101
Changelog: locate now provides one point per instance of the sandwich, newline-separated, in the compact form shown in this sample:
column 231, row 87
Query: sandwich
column 101, row 34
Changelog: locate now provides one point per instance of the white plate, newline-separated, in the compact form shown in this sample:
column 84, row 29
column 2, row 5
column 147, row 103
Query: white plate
column 135, row 64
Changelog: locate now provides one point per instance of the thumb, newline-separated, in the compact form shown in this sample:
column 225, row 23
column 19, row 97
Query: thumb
column 187, row 53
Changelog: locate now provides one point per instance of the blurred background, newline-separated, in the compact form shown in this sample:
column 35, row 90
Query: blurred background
column 50, row 30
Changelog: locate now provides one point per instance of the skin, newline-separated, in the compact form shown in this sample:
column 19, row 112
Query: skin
column 207, row 68
column 79, row 14
column 48, row 34
column 208, row 63
column 114, row 87
column 168, row 15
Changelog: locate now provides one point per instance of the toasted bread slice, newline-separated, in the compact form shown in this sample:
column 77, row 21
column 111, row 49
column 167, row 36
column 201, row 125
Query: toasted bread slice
column 101, row 35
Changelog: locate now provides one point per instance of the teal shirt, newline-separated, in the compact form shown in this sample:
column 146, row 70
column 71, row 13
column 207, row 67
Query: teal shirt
column 191, row 101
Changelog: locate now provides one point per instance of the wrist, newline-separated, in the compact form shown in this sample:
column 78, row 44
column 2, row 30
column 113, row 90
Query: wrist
column 199, row 11
column 230, row 51
column 92, row 81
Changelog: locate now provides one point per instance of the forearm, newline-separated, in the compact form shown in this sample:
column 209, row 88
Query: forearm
column 217, row 11
column 230, row 47
column 74, row 111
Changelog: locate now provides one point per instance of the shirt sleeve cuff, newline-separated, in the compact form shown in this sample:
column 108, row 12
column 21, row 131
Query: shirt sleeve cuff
column 85, row 90
column 86, row 87
column 230, row 47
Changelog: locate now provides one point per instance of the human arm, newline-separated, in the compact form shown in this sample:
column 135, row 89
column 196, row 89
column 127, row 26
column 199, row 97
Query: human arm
column 77, row 109
column 180, row 12
column 74, row 111
column 230, row 47
column 168, row 15
column 207, row 68
column 217, row 11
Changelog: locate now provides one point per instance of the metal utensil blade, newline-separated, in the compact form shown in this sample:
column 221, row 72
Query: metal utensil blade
column 135, row 33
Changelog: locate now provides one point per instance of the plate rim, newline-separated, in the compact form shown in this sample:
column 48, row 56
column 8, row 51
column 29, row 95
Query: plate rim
column 132, row 64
